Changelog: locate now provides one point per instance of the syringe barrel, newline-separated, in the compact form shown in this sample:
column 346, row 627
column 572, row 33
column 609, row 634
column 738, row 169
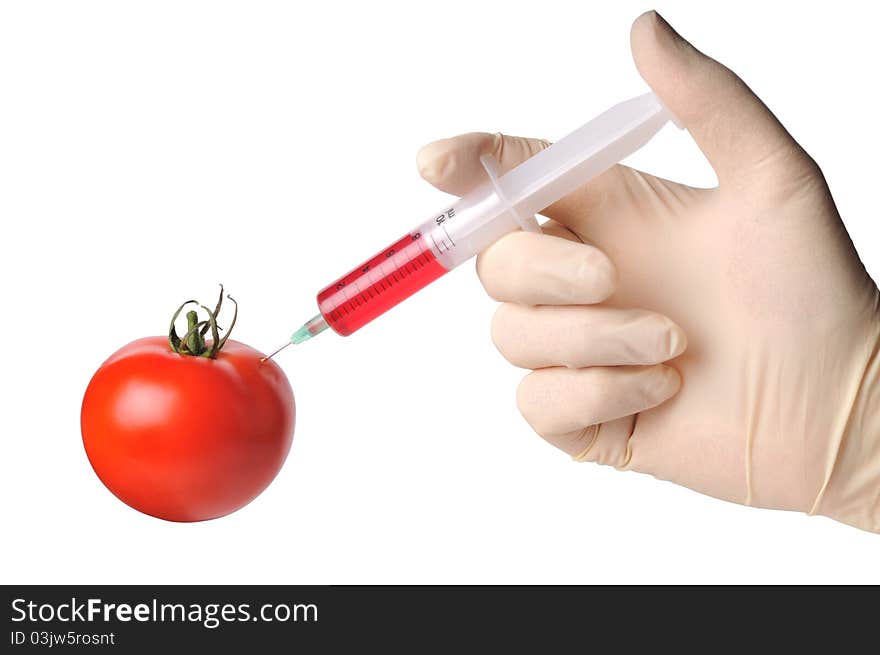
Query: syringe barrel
column 438, row 245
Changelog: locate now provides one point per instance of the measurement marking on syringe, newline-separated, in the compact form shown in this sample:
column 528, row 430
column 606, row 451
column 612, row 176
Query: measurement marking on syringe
column 447, row 235
column 434, row 241
column 359, row 295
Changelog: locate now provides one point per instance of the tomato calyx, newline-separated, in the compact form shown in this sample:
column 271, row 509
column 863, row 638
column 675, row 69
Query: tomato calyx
column 193, row 343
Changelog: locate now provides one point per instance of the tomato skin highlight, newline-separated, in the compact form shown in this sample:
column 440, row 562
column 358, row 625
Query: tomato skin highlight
column 187, row 438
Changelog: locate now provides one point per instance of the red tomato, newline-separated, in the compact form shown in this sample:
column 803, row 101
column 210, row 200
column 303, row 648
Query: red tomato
column 187, row 438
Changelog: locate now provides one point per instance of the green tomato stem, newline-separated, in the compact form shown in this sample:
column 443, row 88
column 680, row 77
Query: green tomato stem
column 193, row 342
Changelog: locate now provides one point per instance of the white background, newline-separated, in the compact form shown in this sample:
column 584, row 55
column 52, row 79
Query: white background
column 151, row 150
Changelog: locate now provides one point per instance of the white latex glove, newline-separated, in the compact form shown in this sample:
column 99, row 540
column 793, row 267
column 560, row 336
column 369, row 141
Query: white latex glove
column 778, row 401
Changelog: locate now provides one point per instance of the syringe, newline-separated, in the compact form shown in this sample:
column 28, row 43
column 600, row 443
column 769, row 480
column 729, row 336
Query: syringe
column 500, row 205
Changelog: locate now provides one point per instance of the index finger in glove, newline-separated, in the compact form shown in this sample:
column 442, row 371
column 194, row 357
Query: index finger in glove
column 453, row 165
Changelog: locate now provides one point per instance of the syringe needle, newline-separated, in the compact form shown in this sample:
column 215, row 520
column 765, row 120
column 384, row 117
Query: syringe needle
column 313, row 327
column 267, row 357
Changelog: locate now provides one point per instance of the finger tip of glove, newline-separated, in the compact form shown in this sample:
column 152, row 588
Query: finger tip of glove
column 657, row 384
column 676, row 340
column 591, row 275
column 668, row 383
column 453, row 165
column 644, row 28
column 601, row 275
column 651, row 28
column 432, row 161
column 645, row 20
column 658, row 337
column 661, row 55
column 528, row 398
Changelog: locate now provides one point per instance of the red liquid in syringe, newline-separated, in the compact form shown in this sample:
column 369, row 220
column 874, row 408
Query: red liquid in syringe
column 379, row 284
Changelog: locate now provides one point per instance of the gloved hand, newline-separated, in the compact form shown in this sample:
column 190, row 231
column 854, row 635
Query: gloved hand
column 774, row 399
